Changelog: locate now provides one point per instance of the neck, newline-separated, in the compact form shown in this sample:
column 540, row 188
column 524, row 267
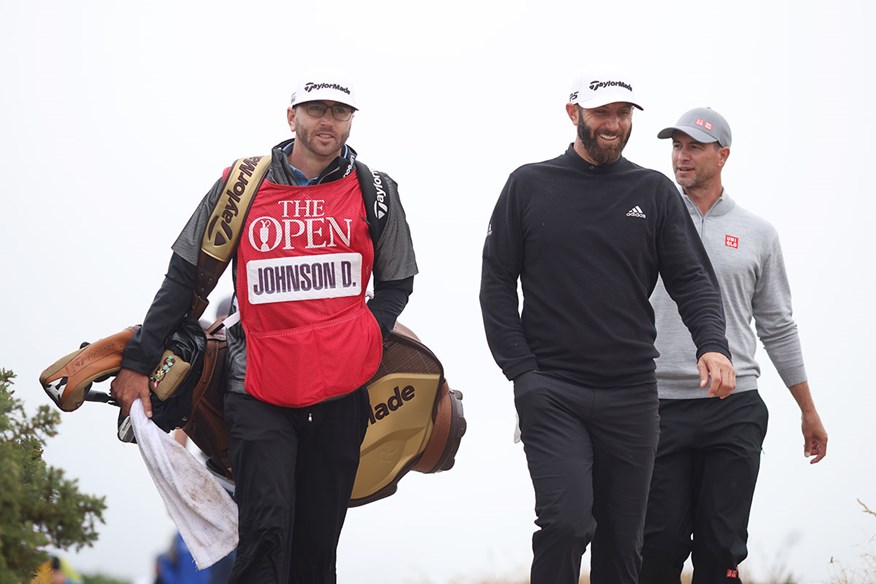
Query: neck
column 308, row 162
column 582, row 152
column 704, row 196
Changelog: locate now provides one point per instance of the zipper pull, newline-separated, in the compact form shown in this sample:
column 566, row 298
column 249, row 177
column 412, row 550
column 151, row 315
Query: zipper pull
column 309, row 416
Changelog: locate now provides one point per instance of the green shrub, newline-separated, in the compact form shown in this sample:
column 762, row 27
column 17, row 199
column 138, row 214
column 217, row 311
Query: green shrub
column 39, row 507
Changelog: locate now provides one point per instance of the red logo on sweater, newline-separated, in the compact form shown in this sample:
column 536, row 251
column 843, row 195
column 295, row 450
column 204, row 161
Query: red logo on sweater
column 732, row 573
column 731, row 241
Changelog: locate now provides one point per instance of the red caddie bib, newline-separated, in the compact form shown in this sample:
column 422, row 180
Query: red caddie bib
column 303, row 265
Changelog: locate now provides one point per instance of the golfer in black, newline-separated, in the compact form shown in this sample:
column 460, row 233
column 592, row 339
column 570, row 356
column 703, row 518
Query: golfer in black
column 586, row 235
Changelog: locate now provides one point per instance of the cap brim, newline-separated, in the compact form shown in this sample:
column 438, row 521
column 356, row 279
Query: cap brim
column 327, row 94
column 691, row 131
column 317, row 98
column 595, row 103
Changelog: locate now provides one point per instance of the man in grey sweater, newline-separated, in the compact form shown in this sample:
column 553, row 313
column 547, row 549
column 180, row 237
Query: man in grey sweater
column 709, row 450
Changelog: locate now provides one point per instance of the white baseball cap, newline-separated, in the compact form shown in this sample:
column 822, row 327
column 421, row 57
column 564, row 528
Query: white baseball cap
column 596, row 90
column 327, row 88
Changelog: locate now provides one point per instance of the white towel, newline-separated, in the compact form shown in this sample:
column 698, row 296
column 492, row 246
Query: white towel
column 203, row 511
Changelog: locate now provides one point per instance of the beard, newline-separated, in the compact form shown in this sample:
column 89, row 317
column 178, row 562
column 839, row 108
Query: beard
column 600, row 154
column 306, row 139
column 685, row 181
column 701, row 174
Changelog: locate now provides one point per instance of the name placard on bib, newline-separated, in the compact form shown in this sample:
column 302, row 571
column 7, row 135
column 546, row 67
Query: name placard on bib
column 304, row 278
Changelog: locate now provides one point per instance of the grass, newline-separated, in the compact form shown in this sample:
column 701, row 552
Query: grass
column 866, row 573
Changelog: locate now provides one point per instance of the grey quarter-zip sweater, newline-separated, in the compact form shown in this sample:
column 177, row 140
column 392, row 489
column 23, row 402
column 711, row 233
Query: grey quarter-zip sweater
column 747, row 257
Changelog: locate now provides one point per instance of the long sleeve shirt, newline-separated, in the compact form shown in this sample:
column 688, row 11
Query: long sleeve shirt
column 586, row 243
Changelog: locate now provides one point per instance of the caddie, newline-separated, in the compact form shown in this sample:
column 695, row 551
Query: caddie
column 307, row 341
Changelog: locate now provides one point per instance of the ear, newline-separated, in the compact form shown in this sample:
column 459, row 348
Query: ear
column 573, row 111
column 290, row 117
column 724, row 154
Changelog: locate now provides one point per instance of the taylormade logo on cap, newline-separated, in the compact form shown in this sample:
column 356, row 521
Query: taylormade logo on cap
column 325, row 90
column 592, row 91
column 595, row 85
column 310, row 86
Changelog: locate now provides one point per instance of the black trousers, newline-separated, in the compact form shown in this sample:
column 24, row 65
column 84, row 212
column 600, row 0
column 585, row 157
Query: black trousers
column 590, row 453
column 294, row 470
column 703, row 484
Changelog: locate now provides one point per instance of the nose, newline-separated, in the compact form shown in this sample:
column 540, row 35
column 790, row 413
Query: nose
column 682, row 154
column 613, row 122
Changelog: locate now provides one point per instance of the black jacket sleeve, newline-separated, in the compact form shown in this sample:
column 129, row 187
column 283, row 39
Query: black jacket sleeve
column 170, row 306
column 390, row 298
column 502, row 264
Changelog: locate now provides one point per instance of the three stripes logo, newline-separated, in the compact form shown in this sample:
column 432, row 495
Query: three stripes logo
column 636, row 212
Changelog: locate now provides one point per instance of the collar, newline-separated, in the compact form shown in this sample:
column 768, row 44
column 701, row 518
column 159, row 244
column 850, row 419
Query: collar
column 722, row 206
column 597, row 169
column 338, row 168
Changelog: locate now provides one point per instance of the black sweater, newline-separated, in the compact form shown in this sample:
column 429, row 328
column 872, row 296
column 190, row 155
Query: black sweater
column 587, row 243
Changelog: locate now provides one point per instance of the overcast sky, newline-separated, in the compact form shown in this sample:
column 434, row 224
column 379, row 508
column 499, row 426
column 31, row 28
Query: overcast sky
column 118, row 116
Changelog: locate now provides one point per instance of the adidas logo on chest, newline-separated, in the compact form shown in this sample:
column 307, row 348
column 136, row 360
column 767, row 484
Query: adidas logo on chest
column 636, row 212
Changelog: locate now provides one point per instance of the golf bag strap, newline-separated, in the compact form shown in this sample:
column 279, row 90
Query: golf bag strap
column 225, row 224
column 206, row 425
column 211, row 362
column 434, row 450
column 374, row 184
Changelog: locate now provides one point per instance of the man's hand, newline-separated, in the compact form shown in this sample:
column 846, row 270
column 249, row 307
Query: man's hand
column 128, row 386
column 814, row 437
column 717, row 367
